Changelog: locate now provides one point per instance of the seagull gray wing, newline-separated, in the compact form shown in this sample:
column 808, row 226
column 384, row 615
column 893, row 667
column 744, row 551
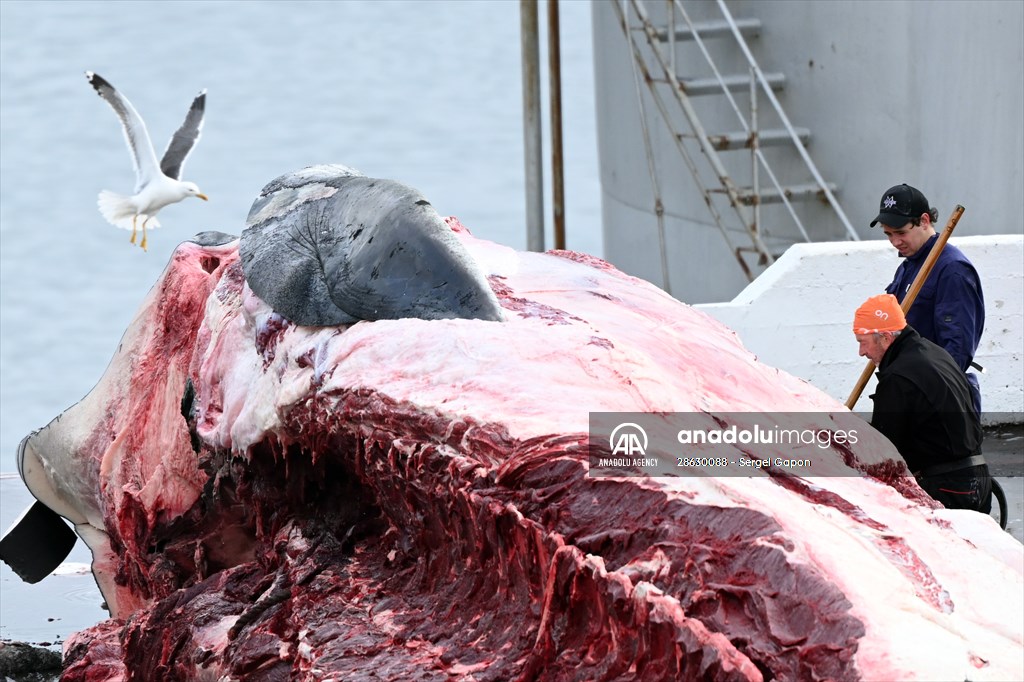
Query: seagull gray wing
column 184, row 139
column 135, row 133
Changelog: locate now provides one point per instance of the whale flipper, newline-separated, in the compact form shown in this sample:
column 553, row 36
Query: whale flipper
column 36, row 543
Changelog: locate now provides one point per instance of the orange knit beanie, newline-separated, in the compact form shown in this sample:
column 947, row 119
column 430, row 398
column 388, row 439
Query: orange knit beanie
column 880, row 313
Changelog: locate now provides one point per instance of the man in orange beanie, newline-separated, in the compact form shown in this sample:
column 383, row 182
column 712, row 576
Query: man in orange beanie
column 923, row 405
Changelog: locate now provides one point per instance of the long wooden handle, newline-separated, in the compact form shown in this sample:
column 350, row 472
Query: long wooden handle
column 908, row 300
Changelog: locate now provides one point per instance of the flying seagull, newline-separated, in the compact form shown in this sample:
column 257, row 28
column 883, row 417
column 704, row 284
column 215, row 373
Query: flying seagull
column 156, row 185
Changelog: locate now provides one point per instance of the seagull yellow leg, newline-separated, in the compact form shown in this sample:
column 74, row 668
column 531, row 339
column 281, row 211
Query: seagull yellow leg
column 134, row 218
column 143, row 242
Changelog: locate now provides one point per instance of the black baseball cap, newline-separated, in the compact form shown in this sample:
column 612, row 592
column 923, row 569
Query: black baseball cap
column 900, row 205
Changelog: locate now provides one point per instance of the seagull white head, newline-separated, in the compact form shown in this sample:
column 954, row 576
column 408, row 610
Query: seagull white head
column 156, row 184
column 191, row 189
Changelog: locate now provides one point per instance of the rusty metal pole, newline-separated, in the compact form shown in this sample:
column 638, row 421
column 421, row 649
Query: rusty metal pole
column 532, row 125
column 555, row 97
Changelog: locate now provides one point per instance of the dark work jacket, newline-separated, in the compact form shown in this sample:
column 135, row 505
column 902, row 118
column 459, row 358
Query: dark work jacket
column 923, row 403
column 950, row 308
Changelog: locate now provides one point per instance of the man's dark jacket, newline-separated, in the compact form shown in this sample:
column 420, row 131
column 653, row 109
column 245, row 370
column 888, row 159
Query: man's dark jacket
column 923, row 403
column 950, row 308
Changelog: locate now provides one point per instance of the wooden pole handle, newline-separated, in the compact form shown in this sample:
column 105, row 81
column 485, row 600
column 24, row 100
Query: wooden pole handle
column 912, row 293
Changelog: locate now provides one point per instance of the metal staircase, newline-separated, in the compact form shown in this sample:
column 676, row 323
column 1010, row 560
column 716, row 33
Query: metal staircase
column 737, row 191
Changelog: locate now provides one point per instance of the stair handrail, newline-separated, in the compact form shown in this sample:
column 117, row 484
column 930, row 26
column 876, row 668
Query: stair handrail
column 702, row 138
column 785, row 119
column 756, row 150
column 668, row 69
column 623, row 20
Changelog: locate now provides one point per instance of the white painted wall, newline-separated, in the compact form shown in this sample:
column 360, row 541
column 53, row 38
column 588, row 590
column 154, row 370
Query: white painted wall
column 798, row 315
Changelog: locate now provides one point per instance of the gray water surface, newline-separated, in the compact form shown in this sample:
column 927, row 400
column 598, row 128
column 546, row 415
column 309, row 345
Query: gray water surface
column 425, row 92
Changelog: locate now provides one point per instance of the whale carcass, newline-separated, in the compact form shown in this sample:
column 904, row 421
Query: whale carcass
column 418, row 499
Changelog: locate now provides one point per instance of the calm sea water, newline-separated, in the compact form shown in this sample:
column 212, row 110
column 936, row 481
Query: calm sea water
column 425, row 92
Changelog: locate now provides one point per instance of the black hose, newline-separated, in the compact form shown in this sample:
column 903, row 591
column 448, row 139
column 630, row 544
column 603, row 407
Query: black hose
column 997, row 492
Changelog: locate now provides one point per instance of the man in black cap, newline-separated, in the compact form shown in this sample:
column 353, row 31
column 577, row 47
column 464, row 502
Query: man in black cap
column 950, row 308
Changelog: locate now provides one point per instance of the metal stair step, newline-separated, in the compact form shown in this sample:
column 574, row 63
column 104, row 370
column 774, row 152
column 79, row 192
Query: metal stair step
column 765, row 138
column 696, row 87
column 749, row 28
column 747, row 197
